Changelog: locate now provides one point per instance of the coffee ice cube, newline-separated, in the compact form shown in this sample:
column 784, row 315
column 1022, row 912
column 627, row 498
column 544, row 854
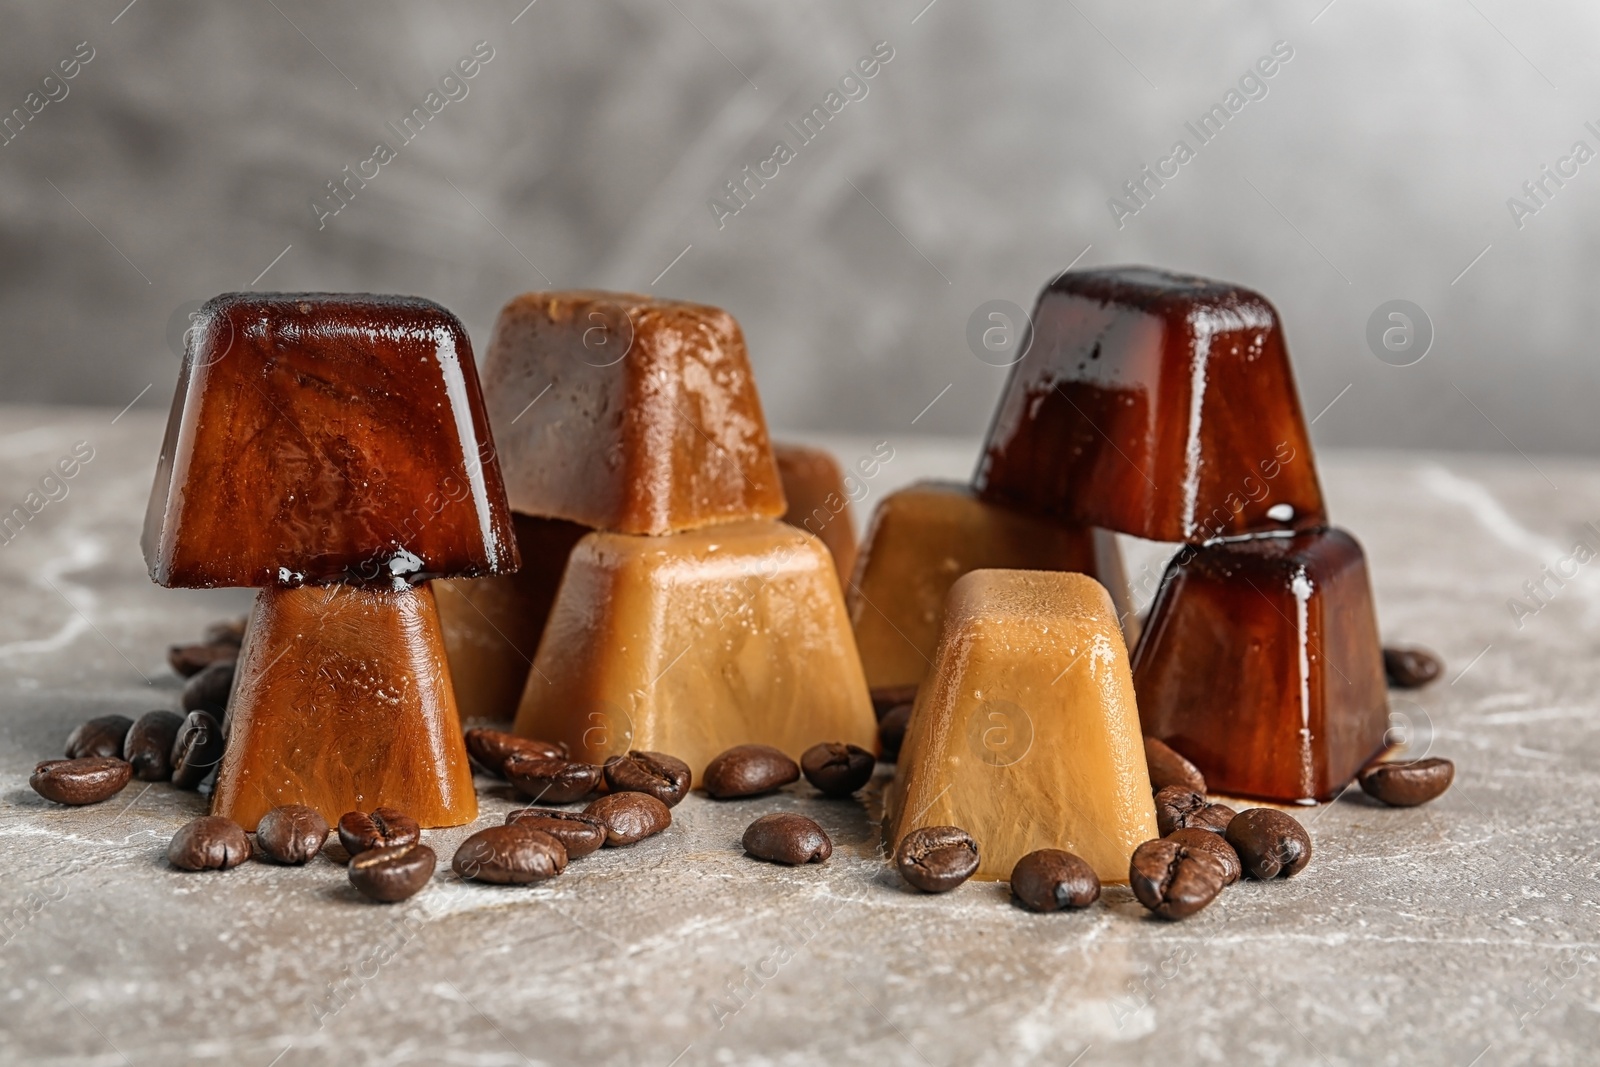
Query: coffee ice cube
column 819, row 500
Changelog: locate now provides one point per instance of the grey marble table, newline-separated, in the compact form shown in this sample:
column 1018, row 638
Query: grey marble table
column 1460, row 933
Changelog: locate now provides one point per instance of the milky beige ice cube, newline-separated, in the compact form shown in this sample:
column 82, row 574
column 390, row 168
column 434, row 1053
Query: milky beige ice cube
column 694, row 642
column 929, row 534
column 819, row 500
column 1027, row 734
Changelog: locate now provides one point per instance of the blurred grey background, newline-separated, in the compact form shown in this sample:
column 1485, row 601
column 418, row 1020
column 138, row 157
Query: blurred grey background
column 183, row 159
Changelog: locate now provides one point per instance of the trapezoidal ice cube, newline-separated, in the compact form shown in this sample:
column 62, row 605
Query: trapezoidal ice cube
column 1159, row 405
column 325, row 437
column 695, row 642
column 819, row 500
column 929, row 534
column 622, row 412
column 342, row 702
column 1026, row 735
column 1261, row 663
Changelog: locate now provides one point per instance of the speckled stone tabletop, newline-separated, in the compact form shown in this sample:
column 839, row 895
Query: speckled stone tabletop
column 1463, row 932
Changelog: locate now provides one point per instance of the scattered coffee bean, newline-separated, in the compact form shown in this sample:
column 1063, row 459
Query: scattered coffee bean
column 381, row 828
column 748, row 771
column 226, row 631
column 491, row 748
column 1197, row 840
column 630, row 817
column 148, row 746
column 664, row 777
column 510, row 855
column 892, row 731
column 837, row 769
column 1167, row 767
column 887, row 699
column 189, row 660
column 784, row 837
column 1173, row 880
column 197, row 749
column 1177, row 807
column 1270, row 844
column 88, row 780
column 390, row 875
column 551, row 781
column 292, row 834
column 1052, row 879
column 1405, row 785
column 936, row 859
column 209, row 843
column 209, row 689
column 1411, row 668
column 101, row 736
column 579, row 832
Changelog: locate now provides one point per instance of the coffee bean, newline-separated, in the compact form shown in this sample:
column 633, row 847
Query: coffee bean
column 664, row 777
column 209, row 689
column 1198, row 840
column 1177, row 807
column 784, row 837
column 381, row 828
column 292, row 833
column 1270, row 844
column 197, row 749
column 748, row 771
column 579, row 832
column 1167, row 767
column 510, row 855
column 80, row 781
column 837, row 769
column 1173, row 880
column 491, row 748
column 551, row 781
column 189, row 660
column 630, row 817
column 390, row 875
column 888, row 698
column 102, row 736
column 936, row 859
column 226, row 631
column 1405, row 785
column 1051, row 879
column 892, row 731
column 209, row 843
column 1411, row 668
column 148, row 746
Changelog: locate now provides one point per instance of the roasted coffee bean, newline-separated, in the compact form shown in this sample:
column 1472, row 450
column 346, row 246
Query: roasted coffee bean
column 80, row 781
column 1051, row 879
column 887, row 699
column 630, row 817
column 892, row 731
column 1173, row 880
column 148, row 746
column 784, row 837
column 837, row 769
column 1405, row 785
column 226, row 631
column 578, row 831
column 491, row 748
column 381, row 828
column 208, row 690
column 1198, row 840
column 189, row 660
column 1167, row 767
column 551, row 781
column 510, row 855
column 197, row 749
column 1270, row 844
column 390, row 875
column 103, row 736
column 209, row 843
column 1177, row 807
column 936, row 859
column 1411, row 668
column 748, row 771
column 292, row 833
column 664, row 777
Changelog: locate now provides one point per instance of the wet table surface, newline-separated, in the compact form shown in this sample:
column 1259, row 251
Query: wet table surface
column 1464, row 932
